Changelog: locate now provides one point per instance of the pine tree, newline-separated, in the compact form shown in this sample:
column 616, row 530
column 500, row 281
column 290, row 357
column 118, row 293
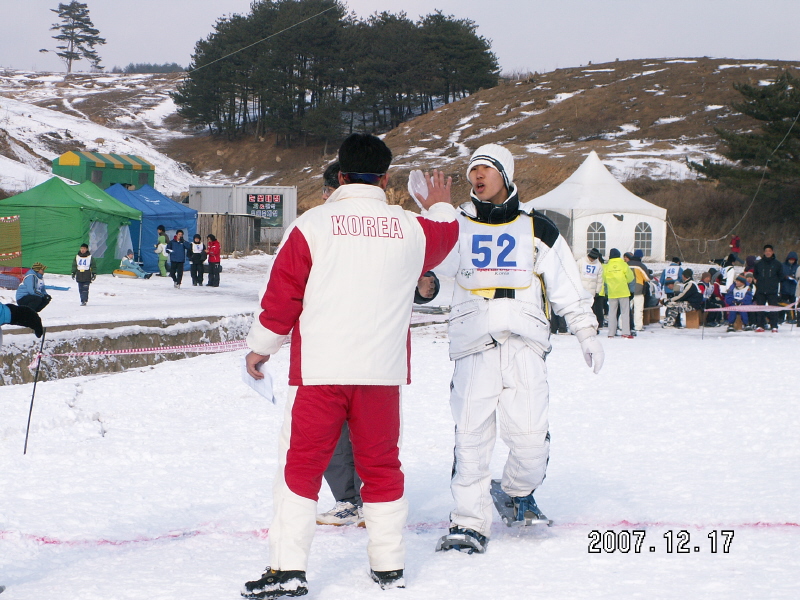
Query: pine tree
column 777, row 106
column 77, row 34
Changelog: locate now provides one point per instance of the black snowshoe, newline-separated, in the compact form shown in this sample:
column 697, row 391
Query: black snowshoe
column 389, row 580
column 277, row 584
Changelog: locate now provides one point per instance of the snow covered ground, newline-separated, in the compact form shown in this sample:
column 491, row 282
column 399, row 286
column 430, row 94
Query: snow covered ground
column 156, row 483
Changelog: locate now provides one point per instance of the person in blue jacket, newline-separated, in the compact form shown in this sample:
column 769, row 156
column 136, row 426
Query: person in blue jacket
column 740, row 294
column 11, row 314
column 128, row 264
column 31, row 292
column 177, row 249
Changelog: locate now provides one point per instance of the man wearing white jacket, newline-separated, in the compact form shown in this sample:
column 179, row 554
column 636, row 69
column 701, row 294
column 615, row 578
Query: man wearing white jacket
column 348, row 359
column 591, row 270
column 512, row 264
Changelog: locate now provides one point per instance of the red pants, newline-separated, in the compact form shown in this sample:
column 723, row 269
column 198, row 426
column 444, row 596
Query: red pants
column 373, row 415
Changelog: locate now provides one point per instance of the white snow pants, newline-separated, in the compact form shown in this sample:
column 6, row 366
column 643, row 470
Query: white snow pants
column 510, row 381
column 295, row 519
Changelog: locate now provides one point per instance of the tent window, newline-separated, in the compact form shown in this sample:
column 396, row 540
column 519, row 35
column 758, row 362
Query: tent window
column 98, row 238
column 643, row 239
column 596, row 237
column 124, row 242
column 97, row 177
column 142, row 179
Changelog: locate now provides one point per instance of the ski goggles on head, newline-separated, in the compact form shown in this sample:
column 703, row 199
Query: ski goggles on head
column 368, row 178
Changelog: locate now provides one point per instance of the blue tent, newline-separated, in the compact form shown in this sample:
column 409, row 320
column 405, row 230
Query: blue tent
column 157, row 210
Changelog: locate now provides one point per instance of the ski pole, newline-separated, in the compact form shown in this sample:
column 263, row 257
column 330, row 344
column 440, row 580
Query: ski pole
column 33, row 394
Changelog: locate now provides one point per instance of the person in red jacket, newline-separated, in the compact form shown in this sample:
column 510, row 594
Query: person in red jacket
column 348, row 359
column 213, row 251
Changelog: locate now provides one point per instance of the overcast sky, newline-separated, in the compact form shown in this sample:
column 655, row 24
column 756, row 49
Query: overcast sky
column 535, row 35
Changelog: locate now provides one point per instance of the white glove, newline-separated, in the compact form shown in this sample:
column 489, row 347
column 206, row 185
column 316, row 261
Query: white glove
column 417, row 185
column 593, row 352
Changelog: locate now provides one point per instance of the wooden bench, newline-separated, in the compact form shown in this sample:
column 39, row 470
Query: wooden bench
column 652, row 314
column 693, row 319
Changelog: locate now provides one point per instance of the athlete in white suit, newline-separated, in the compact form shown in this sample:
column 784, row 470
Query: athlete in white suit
column 512, row 264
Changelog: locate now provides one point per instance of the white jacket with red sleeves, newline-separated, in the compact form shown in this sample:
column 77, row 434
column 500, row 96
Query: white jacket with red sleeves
column 343, row 284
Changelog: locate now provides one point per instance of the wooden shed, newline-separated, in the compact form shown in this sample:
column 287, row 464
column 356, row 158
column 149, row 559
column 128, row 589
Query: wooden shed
column 233, row 232
column 104, row 170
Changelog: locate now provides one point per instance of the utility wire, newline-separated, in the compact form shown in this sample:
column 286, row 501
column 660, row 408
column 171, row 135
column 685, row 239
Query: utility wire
column 259, row 41
column 752, row 201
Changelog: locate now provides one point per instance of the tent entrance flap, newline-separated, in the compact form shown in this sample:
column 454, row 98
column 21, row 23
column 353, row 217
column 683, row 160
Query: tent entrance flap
column 98, row 239
column 124, row 242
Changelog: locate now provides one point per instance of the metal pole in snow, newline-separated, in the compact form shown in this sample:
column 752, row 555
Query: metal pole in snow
column 33, row 394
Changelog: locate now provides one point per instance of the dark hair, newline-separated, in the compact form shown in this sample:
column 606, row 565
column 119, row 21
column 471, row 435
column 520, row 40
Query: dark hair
column 769, row 246
column 84, row 246
column 211, row 237
column 179, row 231
column 160, row 228
column 197, row 237
column 364, row 153
column 331, row 176
column 688, row 274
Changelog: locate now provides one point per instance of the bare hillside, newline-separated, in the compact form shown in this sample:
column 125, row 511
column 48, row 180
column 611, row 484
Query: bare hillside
column 643, row 117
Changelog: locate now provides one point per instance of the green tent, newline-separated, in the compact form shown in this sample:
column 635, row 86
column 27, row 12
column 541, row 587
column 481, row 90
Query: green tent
column 56, row 218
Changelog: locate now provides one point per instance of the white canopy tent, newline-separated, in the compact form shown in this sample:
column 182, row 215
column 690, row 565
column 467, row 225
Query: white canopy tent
column 594, row 210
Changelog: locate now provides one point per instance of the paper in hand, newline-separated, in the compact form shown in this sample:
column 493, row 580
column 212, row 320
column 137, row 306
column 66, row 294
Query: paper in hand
column 417, row 185
column 262, row 386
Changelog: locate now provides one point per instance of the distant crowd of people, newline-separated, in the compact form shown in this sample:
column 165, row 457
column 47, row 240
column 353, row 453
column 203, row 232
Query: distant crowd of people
column 204, row 259
column 623, row 287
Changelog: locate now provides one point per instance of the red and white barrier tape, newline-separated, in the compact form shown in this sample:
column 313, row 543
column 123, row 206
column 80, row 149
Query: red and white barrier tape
column 191, row 348
column 753, row 308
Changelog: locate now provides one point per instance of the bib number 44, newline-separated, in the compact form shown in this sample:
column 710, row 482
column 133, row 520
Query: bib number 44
column 483, row 246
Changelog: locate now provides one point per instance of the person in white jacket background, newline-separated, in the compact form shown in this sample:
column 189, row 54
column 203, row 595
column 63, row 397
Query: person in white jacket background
column 348, row 359
column 510, row 266
column 591, row 269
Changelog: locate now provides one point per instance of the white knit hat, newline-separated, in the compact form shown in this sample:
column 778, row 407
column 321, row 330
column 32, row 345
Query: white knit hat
column 496, row 157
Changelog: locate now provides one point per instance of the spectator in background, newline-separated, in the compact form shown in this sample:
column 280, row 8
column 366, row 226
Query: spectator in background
column 712, row 298
column 735, row 249
column 31, row 292
column 768, row 274
column 84, row 271
column 751, row 281
column 161, row 250
column 789, row 283
column 688, row 299
column 128, row 264
column 197, row 256
column 591, row 270
column 740, row 294
column 673, row 271
column 750, row 264
column 213, row 251
column 727, row 274
column 640, row 283
column 177, row 250
column 617, row 276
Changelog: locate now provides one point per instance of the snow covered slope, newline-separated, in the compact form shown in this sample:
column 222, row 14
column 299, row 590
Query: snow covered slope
column 44, row 115
column 156, row 483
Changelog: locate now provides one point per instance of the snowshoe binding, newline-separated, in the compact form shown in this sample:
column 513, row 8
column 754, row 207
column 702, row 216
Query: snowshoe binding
column 463, row 540
column 517, row 512
column 277, row 584
column 389, row 580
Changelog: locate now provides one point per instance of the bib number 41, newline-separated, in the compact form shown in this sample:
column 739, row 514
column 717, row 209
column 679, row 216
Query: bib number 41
column 482, row 246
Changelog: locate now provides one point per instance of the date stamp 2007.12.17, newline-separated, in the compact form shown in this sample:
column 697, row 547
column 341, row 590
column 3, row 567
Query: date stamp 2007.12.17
column 671, row 542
